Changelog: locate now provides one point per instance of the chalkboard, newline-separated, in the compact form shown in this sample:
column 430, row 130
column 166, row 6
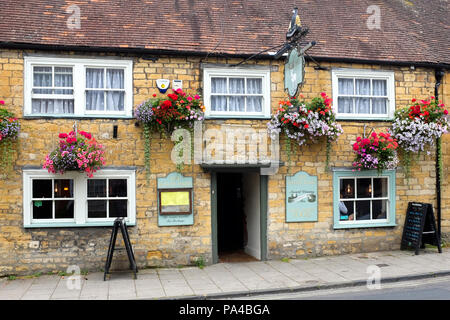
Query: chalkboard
column 419, row 227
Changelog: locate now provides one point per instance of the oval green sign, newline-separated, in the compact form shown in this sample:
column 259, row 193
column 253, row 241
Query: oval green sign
column 293, row 72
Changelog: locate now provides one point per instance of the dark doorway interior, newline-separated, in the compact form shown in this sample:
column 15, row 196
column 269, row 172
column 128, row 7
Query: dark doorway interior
column 231, row 226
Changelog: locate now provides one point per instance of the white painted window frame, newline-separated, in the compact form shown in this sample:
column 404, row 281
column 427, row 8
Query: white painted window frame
column 364, row 74
column 80, row 198
column 79, row 66
column 230, row 72
column 355, row 199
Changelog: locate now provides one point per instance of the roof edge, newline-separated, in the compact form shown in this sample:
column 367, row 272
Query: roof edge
column 137, row 50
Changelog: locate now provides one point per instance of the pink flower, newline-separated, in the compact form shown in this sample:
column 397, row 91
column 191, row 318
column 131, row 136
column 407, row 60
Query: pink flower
column 2, row 102
column 189, row 98
column 196, row 97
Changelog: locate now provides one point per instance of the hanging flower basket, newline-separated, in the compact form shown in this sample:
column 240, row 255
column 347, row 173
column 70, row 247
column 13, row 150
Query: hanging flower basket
column 165, row 114
column 9, row 131
column 376, row 152
column 418, row 126
column 306, row 122
column 76, row 152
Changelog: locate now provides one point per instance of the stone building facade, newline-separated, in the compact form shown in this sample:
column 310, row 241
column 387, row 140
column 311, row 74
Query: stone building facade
column 25, row 249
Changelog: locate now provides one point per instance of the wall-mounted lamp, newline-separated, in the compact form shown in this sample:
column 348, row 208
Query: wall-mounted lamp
column 348, row 190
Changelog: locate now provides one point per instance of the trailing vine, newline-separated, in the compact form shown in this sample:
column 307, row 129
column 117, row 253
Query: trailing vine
column 439, row 159
column 6, row 155
column 147, row 146
column 9, row 131
column 288, row 152
column 327, row 161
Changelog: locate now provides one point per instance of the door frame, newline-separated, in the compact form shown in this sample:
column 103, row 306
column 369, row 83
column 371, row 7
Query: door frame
column 263, row 198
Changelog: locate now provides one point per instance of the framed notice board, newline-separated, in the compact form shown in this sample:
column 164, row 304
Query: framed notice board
column 301, row 197
column 175, row 200
column 419, row 227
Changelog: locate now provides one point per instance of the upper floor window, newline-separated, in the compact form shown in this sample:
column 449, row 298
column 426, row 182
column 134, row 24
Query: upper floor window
column 78, row 87
column 237, row 92
column 363, row 94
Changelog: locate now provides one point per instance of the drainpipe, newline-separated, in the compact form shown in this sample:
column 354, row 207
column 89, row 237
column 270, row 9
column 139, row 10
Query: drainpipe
column 439, row 73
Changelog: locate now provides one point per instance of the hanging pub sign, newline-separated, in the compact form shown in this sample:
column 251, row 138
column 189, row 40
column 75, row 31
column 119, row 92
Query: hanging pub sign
column 301, row 197
column 420, row 227
column 175, row 198
column 294, row 70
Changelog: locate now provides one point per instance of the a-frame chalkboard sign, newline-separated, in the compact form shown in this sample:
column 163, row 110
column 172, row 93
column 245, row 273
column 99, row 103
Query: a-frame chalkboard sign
column 119, row 223
column 420, row 227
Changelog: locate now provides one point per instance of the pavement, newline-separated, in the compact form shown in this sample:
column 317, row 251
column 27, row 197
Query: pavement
column 228, row 280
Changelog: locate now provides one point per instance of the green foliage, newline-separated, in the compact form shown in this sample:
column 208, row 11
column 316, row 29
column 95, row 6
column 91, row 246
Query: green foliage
column 147, row 146
column 285, row 259
column 200, row 262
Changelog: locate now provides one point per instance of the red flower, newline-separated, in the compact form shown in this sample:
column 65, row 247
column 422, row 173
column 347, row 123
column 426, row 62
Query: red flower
column 172, row 96
column 374, row 134
column 355, row 146
column 323, row 94
column 365, row 141
column 306, row 126
column 2, row 102
column 445, row 112
column 63, row 135
column 154, row 95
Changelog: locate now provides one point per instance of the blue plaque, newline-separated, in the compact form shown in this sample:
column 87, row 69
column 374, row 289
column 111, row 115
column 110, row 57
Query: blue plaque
column 301, row 197
column 175, row 200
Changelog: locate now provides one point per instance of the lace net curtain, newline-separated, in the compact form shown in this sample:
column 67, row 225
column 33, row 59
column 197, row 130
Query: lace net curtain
column 241, row 99
column 104, row 91
column 54, row 79
column 375, row 90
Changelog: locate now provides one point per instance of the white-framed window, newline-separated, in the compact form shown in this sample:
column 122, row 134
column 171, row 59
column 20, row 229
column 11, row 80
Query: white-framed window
column 73, row 199
column 237, row 92
column 364, row 199
column 78, row 87
column 363, row 94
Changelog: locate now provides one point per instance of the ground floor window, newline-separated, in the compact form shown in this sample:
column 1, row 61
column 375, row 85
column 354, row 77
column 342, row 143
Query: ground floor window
column 364, row 199
column 73, row 199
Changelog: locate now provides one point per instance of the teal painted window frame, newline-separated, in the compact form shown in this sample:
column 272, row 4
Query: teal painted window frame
column 337, row 174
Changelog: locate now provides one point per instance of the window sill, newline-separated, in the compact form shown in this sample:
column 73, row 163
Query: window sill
column 236, row 117
column 73, row 224
column 77, row 117
column 364, row 225
column 362, row 119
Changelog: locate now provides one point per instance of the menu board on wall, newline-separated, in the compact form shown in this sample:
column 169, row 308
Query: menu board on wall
column 301, row 197
column 175, row 200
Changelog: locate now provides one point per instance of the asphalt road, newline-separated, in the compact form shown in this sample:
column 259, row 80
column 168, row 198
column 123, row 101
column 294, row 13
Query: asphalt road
column 424, row 289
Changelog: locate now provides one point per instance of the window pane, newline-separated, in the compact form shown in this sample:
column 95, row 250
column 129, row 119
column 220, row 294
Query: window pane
column 42, row 188
column 117, row 208
column 236, row 85
column 95, row 100
column 42, row 76
column 114, row 78
column 362, row 105
column 63, row 188
column 97, row 208
column 254, row 104
column 56, row 106
column 380, row 187
column 218, row 85
column 346, row 210
column 362, row 87
column 379, row 209
column 63, row 77
column 94, row 78
column 117, row 188
column 254, row 86
column 345, row 105
column 364, row 188
column 115, row 100
column 96, row 188
column 363, row 210
column 64, row 209
column 237, row 104
column 347, row 188
column 345, row 86
column 218, row 103
column 43, row 209
column 379, row 87
column 379, row 105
